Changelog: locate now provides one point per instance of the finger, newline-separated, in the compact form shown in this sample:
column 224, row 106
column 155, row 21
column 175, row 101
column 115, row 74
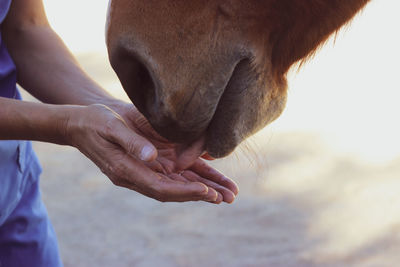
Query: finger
column 131, row 173
column 131, row 142
column 220, row 198
column 227, row 195
column 204, row 170
column 145, row 128
column 180, row 191
column 213, row 195
column 177, row 177
column 156, row 166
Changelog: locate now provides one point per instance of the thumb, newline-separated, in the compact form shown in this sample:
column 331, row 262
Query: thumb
column 133, row 143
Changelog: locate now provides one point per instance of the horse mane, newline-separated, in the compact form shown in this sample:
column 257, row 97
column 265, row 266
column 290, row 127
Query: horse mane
column 302, row 27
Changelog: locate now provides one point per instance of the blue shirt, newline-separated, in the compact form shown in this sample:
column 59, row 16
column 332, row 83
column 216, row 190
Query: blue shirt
column 15, row 156
column 26, row 235
column 8, row 77
column 4, row 7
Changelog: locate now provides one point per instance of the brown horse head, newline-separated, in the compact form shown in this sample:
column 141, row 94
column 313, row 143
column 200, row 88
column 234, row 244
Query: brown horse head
column 215, row 69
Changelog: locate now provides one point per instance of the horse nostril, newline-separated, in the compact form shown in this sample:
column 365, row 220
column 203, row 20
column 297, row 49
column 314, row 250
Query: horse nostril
column 143, row 92
column 136, row 78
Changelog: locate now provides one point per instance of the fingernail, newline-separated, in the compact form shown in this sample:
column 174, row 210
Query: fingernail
column 147, row 153
column 215, row 198
column 230, row 199
column 212, row 196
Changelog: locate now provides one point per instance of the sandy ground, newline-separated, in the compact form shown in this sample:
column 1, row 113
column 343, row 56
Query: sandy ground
column 301, row 203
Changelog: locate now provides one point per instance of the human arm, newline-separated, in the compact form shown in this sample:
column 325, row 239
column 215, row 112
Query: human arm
column 45, row 66
column 103, row 137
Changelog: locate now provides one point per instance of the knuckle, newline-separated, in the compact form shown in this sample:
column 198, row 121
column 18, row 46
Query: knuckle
column 106, row 169
column 133, row 146
column 114, row 170
column 110, row 126
column 109, row 168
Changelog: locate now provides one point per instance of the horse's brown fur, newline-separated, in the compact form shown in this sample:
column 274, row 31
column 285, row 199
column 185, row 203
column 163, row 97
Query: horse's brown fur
column 215, row 68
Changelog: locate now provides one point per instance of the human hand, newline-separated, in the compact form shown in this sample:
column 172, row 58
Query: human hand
column 179, row 162
column 128, row 159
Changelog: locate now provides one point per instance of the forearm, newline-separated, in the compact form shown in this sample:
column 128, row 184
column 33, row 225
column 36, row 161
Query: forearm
column 20, row 120
column 47, row 69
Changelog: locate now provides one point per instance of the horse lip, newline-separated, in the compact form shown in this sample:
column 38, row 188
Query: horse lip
column 207, row 156
column 225, row 131
column 171, row 128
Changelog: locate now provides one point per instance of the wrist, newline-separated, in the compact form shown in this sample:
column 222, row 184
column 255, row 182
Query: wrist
column 64, row 119
column 22, row 120
column 57, row 122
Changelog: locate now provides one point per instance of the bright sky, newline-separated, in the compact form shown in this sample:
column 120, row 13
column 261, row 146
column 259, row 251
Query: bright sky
column 81, row 23
column 350, row 92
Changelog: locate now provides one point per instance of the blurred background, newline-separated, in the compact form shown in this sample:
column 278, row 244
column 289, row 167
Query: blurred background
column 319, row 187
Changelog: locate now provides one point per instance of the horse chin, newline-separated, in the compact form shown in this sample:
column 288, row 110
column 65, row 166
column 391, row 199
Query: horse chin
column 219, row 145
column 219, row 149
